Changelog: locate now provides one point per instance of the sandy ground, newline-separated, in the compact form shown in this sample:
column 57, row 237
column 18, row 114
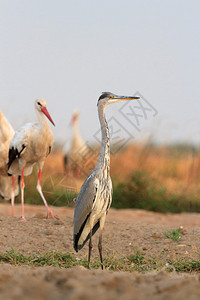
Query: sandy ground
column 125, row 230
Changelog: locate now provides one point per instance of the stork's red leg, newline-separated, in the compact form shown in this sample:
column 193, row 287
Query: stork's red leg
column 39, row 188
column 22, row 196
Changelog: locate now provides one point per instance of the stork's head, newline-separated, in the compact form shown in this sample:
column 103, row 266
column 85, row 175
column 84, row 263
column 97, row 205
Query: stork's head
column 75, row 117
column 108, row 98
column 40, row 106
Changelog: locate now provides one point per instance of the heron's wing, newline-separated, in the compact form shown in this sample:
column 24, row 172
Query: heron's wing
column 84, row 202
column 110, row 197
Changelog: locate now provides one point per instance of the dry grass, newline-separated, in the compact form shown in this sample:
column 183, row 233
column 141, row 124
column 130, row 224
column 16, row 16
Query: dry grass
column 176, row 169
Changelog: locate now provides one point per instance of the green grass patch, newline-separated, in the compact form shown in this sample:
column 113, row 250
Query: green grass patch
column 51, row 258
column 145, row 192
column 174, row 234
column 130, row 263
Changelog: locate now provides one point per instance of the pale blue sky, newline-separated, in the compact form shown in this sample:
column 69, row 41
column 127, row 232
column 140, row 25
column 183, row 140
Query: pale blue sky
column 68, row 52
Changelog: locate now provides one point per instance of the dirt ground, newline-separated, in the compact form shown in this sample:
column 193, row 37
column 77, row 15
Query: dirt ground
column 125, row 230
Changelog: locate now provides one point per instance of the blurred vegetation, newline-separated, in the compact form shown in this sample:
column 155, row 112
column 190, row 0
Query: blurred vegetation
column 145, row 176
column 145, row 192
column 157, row 178
column 54, row 188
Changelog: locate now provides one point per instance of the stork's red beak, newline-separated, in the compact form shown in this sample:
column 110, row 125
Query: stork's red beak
column 73, row 119
column 45, row 111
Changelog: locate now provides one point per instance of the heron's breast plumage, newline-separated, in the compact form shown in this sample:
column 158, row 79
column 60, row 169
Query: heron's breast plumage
column 104, row 196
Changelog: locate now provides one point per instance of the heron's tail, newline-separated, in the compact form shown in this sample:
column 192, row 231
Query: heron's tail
column 77, row 236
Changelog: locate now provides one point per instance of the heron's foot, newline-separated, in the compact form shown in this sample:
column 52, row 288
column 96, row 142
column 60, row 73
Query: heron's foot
column 23, row 219
column 51, row 215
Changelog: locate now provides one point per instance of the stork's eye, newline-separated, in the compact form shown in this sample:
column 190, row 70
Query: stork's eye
column 39, row 103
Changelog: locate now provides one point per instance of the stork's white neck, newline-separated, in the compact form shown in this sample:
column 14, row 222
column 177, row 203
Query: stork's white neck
column 104, row 156
column 42, row 119
column 76, row 128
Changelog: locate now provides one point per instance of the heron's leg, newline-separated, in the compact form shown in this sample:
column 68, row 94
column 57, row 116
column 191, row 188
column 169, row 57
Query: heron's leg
column 39, row 188
column 90, row 249
column 13, row 195
column 102, row 221
column 90, row 241
column 22, row 196
column 100, row 249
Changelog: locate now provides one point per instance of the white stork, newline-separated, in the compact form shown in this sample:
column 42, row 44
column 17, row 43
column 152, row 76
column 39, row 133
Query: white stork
column 74, row 153
column 8, row 187
column 32, row 144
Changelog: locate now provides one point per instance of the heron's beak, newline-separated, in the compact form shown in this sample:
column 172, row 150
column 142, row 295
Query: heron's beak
column 124, row 98
column 45, row 111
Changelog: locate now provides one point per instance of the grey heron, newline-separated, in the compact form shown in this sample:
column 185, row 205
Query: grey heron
column 31, row 144
column 95, row 196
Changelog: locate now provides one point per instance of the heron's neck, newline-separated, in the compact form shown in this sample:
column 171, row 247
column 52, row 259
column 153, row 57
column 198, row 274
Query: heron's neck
column 104, row 156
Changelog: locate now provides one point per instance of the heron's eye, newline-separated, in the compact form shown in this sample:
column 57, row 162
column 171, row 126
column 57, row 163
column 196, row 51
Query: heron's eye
column 39, row 104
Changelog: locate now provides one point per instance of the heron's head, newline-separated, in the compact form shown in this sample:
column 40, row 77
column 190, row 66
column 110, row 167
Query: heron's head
column 40, row 106
column 109, row 98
